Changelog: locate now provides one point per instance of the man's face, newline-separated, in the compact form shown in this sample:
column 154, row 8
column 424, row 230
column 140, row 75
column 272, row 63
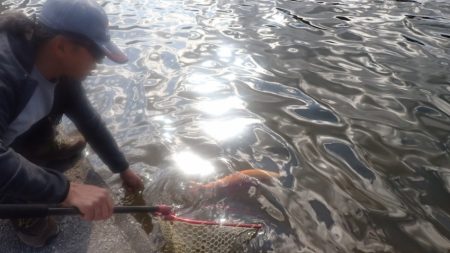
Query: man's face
column 79, row 59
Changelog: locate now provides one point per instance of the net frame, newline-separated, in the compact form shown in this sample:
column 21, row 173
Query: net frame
column 173, row 217
column 186, row 235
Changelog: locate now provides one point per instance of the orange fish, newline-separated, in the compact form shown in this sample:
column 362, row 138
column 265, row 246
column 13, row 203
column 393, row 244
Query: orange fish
column 243, row 176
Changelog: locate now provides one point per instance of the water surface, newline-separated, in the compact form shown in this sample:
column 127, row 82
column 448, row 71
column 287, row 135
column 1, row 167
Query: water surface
column 348, row 100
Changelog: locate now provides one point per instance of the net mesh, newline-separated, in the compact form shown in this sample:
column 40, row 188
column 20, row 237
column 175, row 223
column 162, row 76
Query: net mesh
column 182, row 237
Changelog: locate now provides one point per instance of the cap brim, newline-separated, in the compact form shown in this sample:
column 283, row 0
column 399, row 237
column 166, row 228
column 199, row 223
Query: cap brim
column 113, row 52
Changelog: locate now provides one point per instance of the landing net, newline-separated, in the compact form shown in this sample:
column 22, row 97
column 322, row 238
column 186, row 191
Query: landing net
column 188, row 236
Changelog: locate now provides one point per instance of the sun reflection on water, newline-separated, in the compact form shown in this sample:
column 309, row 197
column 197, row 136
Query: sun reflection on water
column 226, row 129
column 220, row 106
column 225, row 52
column 202, row 83
column 192, row 164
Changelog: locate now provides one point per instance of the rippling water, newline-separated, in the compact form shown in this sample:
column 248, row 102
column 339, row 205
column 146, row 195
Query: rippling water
column 348, row 100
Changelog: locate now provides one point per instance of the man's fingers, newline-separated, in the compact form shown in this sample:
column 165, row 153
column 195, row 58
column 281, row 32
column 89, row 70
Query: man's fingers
column 105, row 211
column 94, row 203
column 88, row 213
column 82, row 213
column 97, row 212
column 110, row 205
column 131, row 181
column 105, row 205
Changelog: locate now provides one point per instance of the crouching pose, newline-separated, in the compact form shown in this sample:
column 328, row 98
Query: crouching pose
column 42, row 65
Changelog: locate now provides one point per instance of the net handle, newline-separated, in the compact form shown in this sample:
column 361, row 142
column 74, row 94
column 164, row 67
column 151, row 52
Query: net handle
column 14, row 211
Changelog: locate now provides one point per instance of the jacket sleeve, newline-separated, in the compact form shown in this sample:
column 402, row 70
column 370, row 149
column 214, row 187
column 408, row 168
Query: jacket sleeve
column 79, row 109
column 20, row 179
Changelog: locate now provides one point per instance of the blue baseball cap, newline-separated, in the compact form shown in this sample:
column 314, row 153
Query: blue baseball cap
column 82, row 17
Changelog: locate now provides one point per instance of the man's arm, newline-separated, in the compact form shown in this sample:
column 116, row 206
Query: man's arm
column 19, row 178
column 79, row 109
column 23, row 181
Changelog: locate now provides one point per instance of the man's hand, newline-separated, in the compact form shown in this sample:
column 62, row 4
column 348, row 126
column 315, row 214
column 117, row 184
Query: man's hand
column 94, row 203
column 132, row 181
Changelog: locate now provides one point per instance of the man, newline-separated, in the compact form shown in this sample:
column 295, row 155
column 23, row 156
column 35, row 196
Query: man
column 42, row 64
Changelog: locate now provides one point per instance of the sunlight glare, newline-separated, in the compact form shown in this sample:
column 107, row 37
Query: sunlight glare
column 193, row 164
column 222, row 130
column 202, row 83
column 220, row 106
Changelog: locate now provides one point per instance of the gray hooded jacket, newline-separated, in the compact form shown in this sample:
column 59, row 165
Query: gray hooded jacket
column 20, row 179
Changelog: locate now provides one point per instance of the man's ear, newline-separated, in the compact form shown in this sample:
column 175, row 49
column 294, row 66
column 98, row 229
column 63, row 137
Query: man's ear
column 59, row 46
